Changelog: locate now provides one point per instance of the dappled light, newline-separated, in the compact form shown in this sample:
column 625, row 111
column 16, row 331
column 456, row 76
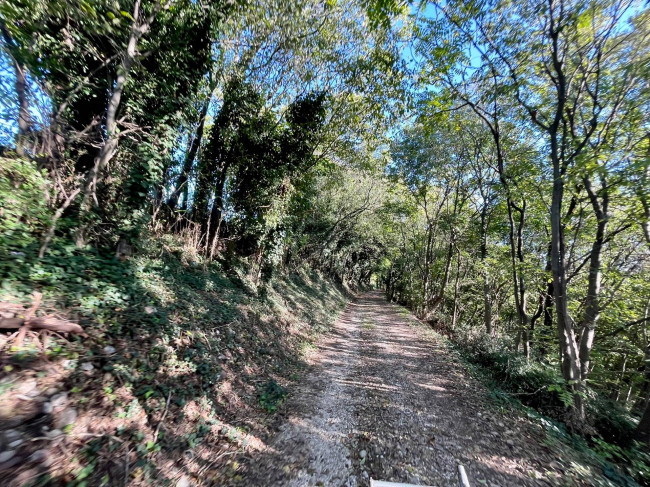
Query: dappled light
column 321, row 243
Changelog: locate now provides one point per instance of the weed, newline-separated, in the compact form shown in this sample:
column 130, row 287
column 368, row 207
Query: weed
column 368, row 325
column 272, row 396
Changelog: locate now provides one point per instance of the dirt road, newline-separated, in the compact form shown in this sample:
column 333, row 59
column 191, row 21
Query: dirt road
column 384, row 399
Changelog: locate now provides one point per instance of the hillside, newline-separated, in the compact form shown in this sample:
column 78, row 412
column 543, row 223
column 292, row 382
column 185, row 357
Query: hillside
column 191, row 190
column 180, row 367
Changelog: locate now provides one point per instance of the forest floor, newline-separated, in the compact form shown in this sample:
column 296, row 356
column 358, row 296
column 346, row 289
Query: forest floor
column 388, row 399
column 182, row 369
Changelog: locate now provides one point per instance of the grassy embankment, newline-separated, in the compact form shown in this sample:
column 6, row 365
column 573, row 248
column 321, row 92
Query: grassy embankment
column 182, row 366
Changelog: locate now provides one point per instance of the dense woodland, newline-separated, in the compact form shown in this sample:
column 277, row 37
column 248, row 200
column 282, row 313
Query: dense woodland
column 487, row 163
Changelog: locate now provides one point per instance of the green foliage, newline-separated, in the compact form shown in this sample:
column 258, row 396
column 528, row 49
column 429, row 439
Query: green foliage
column 381, row 12
column 271, row 396
column 635, row 461
column 514, row 382
column 416, row 153
column 612, row 421
column 24, row 212
column 535, row 384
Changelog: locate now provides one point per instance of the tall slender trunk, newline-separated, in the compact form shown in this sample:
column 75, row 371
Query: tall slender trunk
column 216, row 214
column 592, row 303
column 454, row 316
column 440, row 296
column 181, row 183
column 24, row 120
column 547, row 305
column 24, row 123
column 617, row 393
column 642, row 432
column 487, row 304
column 426, row 284
column 111, row 140
column 568, row 347
column 642, row 192
column 515, row 239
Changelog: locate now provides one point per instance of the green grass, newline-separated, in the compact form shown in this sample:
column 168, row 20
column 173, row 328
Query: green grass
column 367, row 325
column 181, row 329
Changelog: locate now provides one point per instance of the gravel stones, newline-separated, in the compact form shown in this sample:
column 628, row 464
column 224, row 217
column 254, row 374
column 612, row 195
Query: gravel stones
column 7, row 455
column 184, row 481
column 59, row 400
column 42, row 457
column 67, row 417
column 87, row 367
column 396, row 398
column 54, row 434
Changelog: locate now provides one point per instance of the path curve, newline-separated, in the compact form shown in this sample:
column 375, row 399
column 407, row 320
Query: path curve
column 387, row 400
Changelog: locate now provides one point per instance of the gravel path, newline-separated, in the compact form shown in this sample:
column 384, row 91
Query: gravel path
column 386, row 400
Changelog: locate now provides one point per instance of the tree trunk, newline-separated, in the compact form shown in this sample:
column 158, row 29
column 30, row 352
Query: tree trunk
column 642, row 432
column 643, row 194
column 181, row 184
column 548, row 303
column 592, row 304
column 487, row 304
column 427, row 269
column 24, row 120
column 109, row 147
column 111, row 141
column 568, row 347
column 216, row 214
column 24, row 123
column 454, row 316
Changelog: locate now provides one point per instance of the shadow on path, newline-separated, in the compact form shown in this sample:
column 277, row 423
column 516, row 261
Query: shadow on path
column 386, row 402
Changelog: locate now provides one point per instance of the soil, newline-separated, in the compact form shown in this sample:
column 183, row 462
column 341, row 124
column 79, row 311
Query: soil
column 387, row 400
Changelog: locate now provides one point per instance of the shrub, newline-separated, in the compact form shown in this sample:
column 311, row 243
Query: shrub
column 23, row 208
column 272, row 395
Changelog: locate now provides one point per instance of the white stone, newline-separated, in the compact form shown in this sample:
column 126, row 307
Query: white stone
column 11, row 435
column 69, row 364
column 183, row 482
column 27, row 386
column 68, row 416
column 40, row 456
column 7, row 455
column 59, row 400
column 54, row 434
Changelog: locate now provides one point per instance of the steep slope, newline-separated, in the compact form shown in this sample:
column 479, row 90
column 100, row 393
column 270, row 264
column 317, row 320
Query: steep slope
column 180, row 369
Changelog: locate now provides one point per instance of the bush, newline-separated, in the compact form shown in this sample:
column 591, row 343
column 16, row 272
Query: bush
column 272, row 395
column 611, row 420
column 23, row 208
column 536, row 384
column 540, row 386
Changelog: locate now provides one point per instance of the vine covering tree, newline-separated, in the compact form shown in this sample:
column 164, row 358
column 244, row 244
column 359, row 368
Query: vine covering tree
column 486, row 163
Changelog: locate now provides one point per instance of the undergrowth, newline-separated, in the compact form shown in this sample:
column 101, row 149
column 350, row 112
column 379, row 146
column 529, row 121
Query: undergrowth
column 539, row 391
column 199, row 355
